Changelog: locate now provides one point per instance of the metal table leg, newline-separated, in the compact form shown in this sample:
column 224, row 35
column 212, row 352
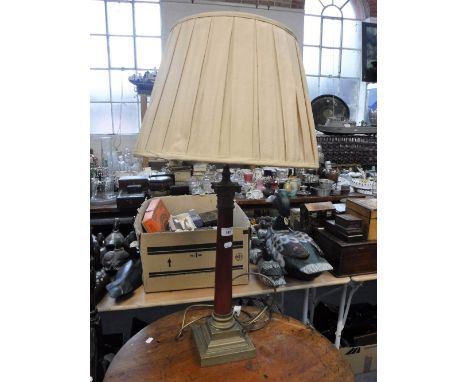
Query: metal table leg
column 305, row 306
column 345, row 303
column 311, row 299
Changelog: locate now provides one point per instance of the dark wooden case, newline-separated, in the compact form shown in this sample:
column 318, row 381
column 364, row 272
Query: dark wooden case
column 348, row 221
column 132, row 201
column 347, row 259
column 348, row 235
column 131, row 180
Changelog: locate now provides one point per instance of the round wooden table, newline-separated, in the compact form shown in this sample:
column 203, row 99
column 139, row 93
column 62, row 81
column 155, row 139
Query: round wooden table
column 287, row 350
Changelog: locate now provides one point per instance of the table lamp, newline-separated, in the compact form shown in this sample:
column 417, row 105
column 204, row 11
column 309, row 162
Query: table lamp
column 231, row 89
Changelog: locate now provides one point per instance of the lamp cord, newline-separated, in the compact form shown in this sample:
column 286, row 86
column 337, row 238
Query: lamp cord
column 249, row 325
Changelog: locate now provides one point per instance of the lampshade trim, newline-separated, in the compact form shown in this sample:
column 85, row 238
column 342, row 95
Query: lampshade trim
column 237, row 14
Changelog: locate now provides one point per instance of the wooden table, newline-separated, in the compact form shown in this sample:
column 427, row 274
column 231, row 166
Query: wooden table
column 287, row 350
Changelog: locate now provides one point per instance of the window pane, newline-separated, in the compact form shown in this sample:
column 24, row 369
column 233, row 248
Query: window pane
column 148, row 52
column 351, row 34
column 351, row 63
column 312, row 84
column 347, row 90
column 119, row 17
column 101, row 118
column 348, row 11
column 125, row 118
column 329, row 86
column 330, row 60
column 122, row 89
column 331, row 33
column 332, row 11
column 311, row 30
column 339, row 3
column 98, row 52
column 147, row 19
column 121, row 52
column 311, row 60
column 313, row 7
column 97, row 17
column 99, row 83
column 350, row 94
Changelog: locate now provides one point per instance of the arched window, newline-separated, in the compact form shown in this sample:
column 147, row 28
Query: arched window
column 332, row 51
column 125, row 39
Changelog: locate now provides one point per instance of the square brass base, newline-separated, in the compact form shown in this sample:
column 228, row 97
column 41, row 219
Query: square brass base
column 217, row 346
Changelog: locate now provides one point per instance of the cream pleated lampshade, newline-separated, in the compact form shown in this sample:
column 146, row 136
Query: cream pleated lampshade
column 231, row 89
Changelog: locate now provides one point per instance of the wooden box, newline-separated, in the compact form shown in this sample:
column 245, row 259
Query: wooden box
column 366, row 209
column 315, row 214
column 130, row 201
column 349, row 235
column 348, row 221
column 126, row 183
column 347, row 259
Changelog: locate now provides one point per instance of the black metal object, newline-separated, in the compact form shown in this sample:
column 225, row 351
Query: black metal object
column 328, row 105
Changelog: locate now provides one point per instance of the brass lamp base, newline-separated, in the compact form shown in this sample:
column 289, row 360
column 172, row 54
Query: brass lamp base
column 220, row 340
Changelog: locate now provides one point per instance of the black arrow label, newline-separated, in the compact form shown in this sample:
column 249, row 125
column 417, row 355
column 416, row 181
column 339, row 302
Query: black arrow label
column 169, row 262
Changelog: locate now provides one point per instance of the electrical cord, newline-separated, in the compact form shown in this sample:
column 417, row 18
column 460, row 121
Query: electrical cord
column 252, row 323
column 183, row 326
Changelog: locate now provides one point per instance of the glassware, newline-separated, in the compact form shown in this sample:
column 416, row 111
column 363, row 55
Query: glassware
column 194, row 185
column 102, row 186
column 107, row 158
column 294, row 183
column 206, row 185
column 257, row 174
column 248, row 176
column 282, row 174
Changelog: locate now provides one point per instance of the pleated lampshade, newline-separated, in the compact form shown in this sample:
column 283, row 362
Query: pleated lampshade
column 231, row 89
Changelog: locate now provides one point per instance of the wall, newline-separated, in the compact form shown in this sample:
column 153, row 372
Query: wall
column 372, row 8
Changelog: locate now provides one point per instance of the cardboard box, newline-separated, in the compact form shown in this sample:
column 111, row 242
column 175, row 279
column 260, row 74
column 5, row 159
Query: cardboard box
column 365, row 209
column 186, row 260
column 361, row 358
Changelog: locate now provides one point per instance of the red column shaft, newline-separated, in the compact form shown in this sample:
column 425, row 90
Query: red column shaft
column 223, row 273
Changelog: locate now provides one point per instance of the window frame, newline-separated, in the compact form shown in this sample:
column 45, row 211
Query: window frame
column 117, row 104
column 359, row 17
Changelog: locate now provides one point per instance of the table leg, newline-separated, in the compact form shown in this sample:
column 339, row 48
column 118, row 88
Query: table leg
column 345, row 303
column 340, row 324
column 282, row 301
column 314, row 300
column 305, row 306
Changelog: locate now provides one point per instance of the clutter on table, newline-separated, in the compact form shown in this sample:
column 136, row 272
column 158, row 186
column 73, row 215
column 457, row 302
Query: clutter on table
column 121, row 177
